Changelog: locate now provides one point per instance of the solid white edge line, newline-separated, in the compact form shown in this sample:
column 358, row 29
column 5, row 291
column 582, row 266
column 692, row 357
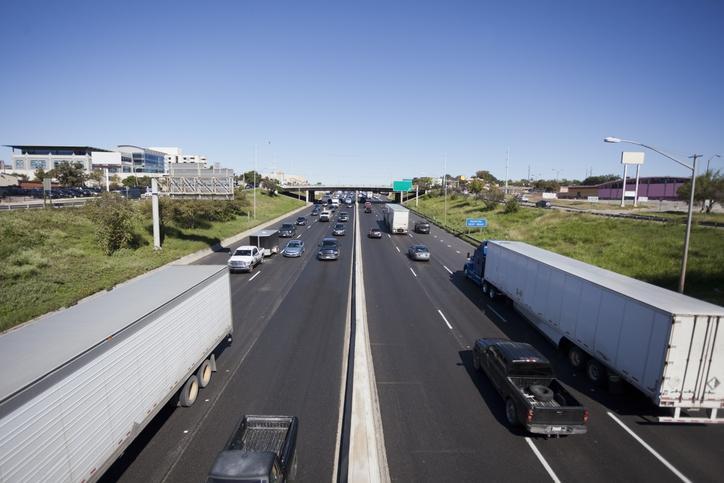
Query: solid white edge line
column 413, row 272
column 496, row 313
column 398, row 249
column 449, row 271
column 651, row 450
column 542, row 460
column 443, row 318
column 252, row 277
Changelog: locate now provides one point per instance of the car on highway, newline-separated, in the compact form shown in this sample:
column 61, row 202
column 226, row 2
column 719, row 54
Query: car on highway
column 287, row 230
column 422, row 227
column 325, row 215
column 419, row 252
column 315, row 211
column 339, row 229
column 521, row 198
column 375, row 233
column 328, row 249
column 245, row 258
column 543, row 204
column 302, row 220
column 294, row 248
column 343, row 216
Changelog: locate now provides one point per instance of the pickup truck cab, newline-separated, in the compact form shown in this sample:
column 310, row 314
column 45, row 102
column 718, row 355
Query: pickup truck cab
column 245, row 258
column 262, row 449
column 533, row 397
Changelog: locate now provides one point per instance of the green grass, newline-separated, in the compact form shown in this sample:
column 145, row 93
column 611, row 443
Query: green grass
column 50, row 259
column 648, row 251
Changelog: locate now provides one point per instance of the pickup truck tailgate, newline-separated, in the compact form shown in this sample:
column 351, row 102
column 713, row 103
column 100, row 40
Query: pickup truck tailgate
column 262, row 434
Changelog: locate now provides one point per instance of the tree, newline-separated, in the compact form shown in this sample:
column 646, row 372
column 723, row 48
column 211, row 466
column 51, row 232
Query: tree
column 20, row 176
column 270, row 185
column 596, row 180
column 69, row 174
column 252, row 177
column 115, row 182
column 97, row 177
column 492, row 197
column 115, row 218
column 476, row 186
column 486, row 177
column 40, row 175
column 709, row 190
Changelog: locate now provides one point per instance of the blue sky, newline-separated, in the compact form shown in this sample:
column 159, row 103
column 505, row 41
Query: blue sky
column 372, row 92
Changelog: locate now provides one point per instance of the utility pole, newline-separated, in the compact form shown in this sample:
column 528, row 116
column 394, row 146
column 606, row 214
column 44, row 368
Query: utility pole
column 256, row 156
column 507, row 165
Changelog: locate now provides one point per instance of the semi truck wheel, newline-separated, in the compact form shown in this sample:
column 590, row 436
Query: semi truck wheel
column 595, row 372
column 577, row 358
column 491, row 292
column 511, row 413
column 485, row 287
column 204, row 374
column 189, row 392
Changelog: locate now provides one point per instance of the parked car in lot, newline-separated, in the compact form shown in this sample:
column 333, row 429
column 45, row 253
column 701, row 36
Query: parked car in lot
column 375, row 233
column 245, row 258
column 294, row 248
column 419, row 252
column 543, row 204
column 422, row 227
column 287, row 230
column 302, row 220
column 328, row 249
column 343, row 216
column 339, row 229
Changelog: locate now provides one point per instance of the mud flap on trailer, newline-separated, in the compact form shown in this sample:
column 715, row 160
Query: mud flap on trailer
column 615, row 385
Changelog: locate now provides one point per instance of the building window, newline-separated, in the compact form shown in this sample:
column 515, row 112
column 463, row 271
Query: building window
column 38, row 163
column 19, row 164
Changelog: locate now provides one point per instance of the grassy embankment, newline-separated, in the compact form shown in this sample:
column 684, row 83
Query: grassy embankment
column 50, row 258
column 644, row 250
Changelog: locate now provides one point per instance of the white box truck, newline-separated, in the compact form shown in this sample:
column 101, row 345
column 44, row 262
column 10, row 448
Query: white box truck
column 397, row 218
column 667, row 345
column 80, row 384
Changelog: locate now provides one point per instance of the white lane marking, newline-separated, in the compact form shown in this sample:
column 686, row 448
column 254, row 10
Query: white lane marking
column 413, row 272
column 252, row 277
column 651, row 450
column 449, row 271
column 457, row 251
column 443, row 318
column 496, row 313
column 449, row 246
column 398, row 248
column 542, row 460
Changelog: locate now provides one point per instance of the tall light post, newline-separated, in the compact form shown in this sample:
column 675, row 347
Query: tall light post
column 691, row 200
column 558, row 171
column 707, row 163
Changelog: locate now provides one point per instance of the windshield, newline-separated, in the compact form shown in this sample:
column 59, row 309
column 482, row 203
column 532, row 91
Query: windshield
column 329, row 244
column 420, row 248
column 287, row 226
column 294, row 244
column 244, row 253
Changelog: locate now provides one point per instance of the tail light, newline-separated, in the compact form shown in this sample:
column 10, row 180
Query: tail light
column 585, row 416
column 529, row 416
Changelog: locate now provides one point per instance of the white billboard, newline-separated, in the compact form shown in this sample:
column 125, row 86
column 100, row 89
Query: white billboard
column 99, row 158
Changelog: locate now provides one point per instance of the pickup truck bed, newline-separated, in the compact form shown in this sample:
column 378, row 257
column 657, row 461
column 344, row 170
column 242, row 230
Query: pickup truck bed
column 261, row 434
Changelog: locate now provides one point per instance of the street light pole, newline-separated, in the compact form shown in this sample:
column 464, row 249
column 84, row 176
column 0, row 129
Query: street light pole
column 693, row 169
column 707, row 163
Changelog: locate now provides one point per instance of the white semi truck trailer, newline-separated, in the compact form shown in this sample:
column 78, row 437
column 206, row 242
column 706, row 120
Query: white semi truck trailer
column 397, row 218
column 667, row 345
column 80, row 384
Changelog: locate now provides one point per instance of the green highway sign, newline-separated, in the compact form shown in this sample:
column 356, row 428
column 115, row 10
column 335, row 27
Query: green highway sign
column 401, row 185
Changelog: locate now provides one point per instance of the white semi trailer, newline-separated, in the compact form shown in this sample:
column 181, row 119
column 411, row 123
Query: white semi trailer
column 397, row 218
column 667, row 345
column 80, row 384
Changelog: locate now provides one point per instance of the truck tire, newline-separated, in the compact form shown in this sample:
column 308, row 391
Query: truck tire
column 541, row 393
column 595, row 372
column 491, row 292
column 189, row 392
column 485, row 287
column 476, row 362
column 577, row 358
column 204, row 374
column 511, row 412
column 261, row 260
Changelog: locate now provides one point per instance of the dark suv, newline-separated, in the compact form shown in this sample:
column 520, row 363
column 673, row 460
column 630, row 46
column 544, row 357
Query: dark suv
column 287, row 230
column 422, row 227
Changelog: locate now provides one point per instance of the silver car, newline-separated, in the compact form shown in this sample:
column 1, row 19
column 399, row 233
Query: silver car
column 419, row 252
column 339, row 229
column 294, row 248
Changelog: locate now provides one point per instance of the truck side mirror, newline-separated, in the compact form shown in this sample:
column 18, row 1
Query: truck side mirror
column 468, row 255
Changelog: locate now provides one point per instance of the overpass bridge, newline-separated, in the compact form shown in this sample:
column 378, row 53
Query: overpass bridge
column 307, row 192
